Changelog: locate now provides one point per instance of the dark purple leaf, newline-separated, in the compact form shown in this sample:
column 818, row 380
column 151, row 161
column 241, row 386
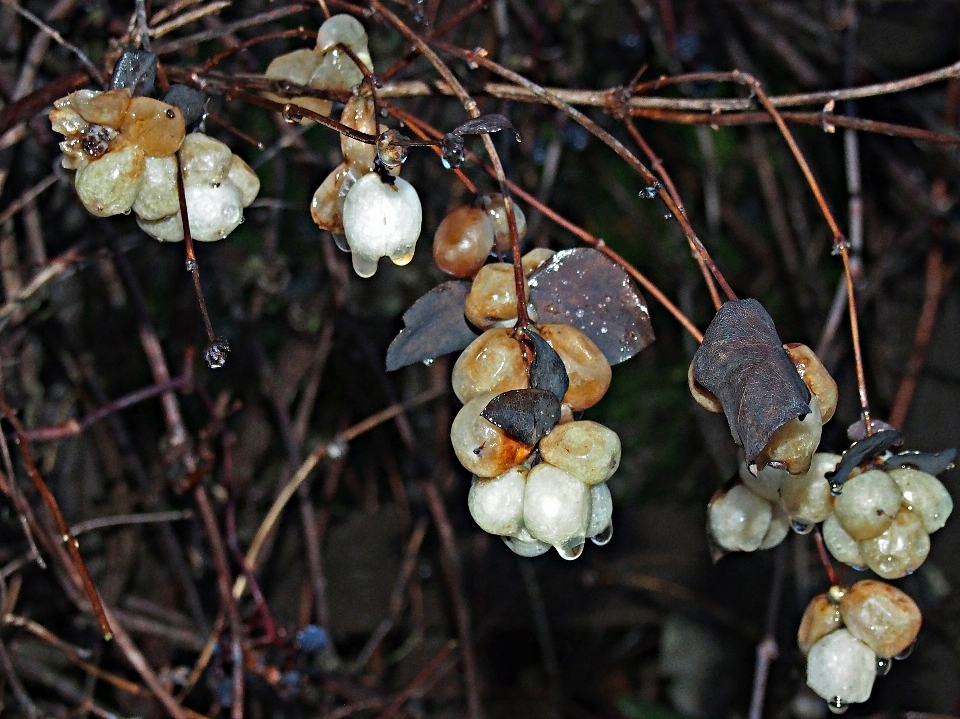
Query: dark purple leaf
column 136, row 70
column 434, row 326
column 189, row 101
column 584, row 288
column 743, row 363
column 860, row 452
column 857, row 431
column 547, row 370
column 527, row 415
column 929, row 462
column 486, row 124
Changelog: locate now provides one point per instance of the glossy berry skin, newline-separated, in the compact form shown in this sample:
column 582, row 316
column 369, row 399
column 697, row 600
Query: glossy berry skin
column 492, row 300
column 808, row 498
column 821, row 617
column 792, row 446
column 840, row 667
column 556, row 507
column 491, row 363
column 156, row 127
column 587, row 450
column 496, row 209
column 483, row 448
column 841, row 545
column 867, row 504
column 924, row 495
column 900, row 549
column 588, row 369
column 463, row 241
column 881, row 616
column 815, row 376
column 738, row 520
column 496, row 504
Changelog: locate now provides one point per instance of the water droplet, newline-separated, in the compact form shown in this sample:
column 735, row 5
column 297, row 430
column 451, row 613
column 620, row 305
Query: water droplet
column 216, row 353
column 291, row 115
column 837, row 705
column 191, row 265
column 668, row 216
column 603, row 330
column 905, row 653
column 650, row 191
column 604, row 537
column 571, row 551
column 402, row 260
column 801, row 527
column 835, row 489
column 858, row 568
column 337, row 449
column 428, row 362
column 883, row 666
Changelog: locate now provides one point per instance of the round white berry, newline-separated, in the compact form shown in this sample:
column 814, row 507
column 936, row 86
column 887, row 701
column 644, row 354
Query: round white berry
column 766, row 482
column 778, row 530
column 587, row 450
column 601, row 510
column 381, row 219
column 556, row 507
column 924, row 495
column 841, row 545
column 867, row 504
column 739, row 519
column 496, row 505
column 808, row 498
column 110, row 185
column 841, row 668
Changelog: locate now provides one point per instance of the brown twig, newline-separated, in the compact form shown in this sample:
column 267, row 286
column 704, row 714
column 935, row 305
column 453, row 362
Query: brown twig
column 428, row 670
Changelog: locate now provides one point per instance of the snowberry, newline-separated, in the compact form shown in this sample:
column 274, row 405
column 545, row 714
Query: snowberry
column 326, row 207
column 492, row 299
column 525, row 545
column 900, row 549
column 766, row 482
column 158, row 193
column 881, row 616
column 841, row 545
column 779, row 528
column 534, row 259
column 867, row 504
column 463, row 241
column 359, row 114
column 808, row 498
column 600, row 526
column 496, row 505
column 738, row 519
column 204, row 159
column 381, row 219
column 841, row 668
column 792, row 445
column 821, row 617
column 587, row 450
column 110, row 185
column 556, row 509
column 588, row 369
column 298, row 67
column 491, row 363
column 337, row 70
column 815, row 376
column 154, row 126
column 496, row 208
column 924, row 495
column 483, row 448
column 99, row 108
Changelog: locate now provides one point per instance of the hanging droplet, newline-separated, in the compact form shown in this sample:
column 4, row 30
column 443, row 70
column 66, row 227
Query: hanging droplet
column 837, row 706
column 428, row 362
column 650, row 191
column 337, row 449
column 604, row 537
column 191, row 265
column 905, row 653
column 216, row 353
column 835, row 489
column 801, row 527
column 883, row 666
column 571, row 551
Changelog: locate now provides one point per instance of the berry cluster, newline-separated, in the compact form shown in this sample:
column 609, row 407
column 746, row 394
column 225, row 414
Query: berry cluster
column 371, row 212
column 850, row 635
column 552, row 493
column 125, row 150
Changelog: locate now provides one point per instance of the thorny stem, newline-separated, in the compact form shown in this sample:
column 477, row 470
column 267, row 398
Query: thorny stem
column 470, row 105
column 191, row 263
column 67, row 537
column 649, row 178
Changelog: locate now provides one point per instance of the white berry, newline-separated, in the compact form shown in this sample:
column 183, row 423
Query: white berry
column 924, row 495
column 739, row 519
column 841, row 668
column 496, row 505
column 556, row 507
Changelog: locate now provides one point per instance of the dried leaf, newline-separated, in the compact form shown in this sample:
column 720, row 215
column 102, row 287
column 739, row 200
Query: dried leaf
column 860, row 452
column 136, row 70
column 189, row 101
column 929, row 462
column 584, row 288
column 434, row 326
column 527, row 415
column 742, row 361
column 547, row 370
column 486, row 124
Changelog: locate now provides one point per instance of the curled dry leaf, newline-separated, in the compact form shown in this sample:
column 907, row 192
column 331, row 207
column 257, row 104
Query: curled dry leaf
column 743, row 363
column 434, row 326
column 860, row 452
column 527, row 415
column 547, row 370
column 584, row 288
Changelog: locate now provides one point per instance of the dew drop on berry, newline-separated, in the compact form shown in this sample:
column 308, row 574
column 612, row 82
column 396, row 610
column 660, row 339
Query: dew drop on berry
column 883, row 666
column 571, row 552
column 836, row 706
